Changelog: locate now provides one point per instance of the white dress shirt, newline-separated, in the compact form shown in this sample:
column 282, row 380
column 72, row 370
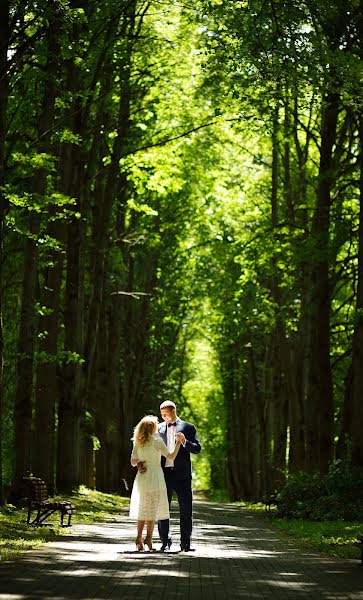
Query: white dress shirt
column 170, row 442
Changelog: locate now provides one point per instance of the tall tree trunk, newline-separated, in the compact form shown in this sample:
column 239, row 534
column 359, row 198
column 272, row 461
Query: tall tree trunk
column 288, row 192
column 355, row 412
column 106, row 398
column 277, row 413
column 25, row 347
column 276, row 401
column 113, row 392
column 73, row 183
column 70, row 409
column 292, row 358
column 296, row 349
column 4, row 93
column 101, row 404
column 255, row 395
column 135, row 329
column 47, row 386
column 319, row 409
column 234, row 434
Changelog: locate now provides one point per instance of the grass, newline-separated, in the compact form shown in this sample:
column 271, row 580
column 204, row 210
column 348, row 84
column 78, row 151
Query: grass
column 334, row 538
column 91, row 506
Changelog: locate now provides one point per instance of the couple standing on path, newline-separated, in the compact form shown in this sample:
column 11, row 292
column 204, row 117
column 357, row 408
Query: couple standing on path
column 161, row 453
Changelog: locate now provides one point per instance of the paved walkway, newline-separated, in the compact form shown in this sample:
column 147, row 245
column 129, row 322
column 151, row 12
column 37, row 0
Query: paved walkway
column 237, row 556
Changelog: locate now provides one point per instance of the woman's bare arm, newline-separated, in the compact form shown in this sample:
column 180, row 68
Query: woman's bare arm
column 173, row 454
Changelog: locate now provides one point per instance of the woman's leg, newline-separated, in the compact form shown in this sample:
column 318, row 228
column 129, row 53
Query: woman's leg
column 150, row 528
column 140, row 527
column 149, row 535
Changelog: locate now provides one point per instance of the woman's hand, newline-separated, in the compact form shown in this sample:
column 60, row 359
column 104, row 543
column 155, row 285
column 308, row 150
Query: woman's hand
column 180, row 437
column 141, row 466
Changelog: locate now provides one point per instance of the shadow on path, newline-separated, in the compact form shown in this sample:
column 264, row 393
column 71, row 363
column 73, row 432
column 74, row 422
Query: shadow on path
column 237, row 556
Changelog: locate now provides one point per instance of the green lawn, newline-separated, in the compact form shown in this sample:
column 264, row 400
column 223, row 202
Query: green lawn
column 334, row 538
column 16, row 536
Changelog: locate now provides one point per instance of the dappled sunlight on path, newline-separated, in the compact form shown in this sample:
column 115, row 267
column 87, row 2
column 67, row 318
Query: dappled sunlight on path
column 237, row 556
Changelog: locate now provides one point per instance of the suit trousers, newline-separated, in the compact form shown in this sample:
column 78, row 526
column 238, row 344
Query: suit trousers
column 183, row 489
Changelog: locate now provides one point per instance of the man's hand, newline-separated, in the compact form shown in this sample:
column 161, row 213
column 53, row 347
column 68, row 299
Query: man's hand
column 180, row 437
column 141, row 466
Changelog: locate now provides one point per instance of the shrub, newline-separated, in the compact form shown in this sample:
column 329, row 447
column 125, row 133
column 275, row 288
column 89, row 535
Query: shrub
column 336, row 495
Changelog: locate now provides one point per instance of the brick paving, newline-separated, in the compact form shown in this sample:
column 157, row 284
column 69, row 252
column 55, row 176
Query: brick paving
column 237, row 556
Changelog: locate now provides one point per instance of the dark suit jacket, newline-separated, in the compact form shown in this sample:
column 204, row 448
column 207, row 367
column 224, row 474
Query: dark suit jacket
column 182, row 463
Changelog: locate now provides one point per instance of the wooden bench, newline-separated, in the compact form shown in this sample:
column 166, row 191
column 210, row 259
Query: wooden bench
column 39, row 502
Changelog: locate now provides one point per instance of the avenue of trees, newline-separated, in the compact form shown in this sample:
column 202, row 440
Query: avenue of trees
column 181, row 216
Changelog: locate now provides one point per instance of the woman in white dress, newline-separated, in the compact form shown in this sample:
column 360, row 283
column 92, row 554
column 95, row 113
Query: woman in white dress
column 149, row 499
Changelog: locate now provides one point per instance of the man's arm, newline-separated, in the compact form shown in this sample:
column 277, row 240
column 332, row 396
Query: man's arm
column 191, row 440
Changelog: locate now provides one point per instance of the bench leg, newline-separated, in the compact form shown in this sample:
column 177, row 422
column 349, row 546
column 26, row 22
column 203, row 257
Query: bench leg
column 69, row 520
column 36, row 520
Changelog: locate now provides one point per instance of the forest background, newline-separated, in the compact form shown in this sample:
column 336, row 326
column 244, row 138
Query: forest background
column 181, row 217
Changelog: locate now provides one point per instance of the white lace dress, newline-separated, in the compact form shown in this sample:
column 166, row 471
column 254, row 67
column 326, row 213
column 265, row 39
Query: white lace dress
column 149, row 499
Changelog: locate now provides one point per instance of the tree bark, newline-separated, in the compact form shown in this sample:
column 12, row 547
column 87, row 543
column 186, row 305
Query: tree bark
column 296, row 349
column 47, row 386
column 355, row 420
column 69, row 407
column 292, row 357
column 25, row 348
column 101, row 405
column 4, row 93
column 114, row 394
column 235, row 436
column 319, row 407
column 255, row 395
column 275, row 400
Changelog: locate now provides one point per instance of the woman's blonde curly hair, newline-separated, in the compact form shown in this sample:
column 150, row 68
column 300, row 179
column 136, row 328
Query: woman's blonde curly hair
column 145, row 430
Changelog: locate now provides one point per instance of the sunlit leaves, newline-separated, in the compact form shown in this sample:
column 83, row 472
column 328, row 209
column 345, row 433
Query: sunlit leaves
column 68, row 136
column 34, row 161
column 142, row 208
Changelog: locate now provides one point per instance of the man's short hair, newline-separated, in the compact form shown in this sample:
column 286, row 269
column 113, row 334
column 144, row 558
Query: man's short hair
column 167, row 404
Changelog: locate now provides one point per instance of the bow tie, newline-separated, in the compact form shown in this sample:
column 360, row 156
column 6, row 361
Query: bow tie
column 171, row 424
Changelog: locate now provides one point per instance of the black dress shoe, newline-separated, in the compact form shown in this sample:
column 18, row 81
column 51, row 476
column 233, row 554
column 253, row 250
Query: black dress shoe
column 165, row 545
column 186, row 548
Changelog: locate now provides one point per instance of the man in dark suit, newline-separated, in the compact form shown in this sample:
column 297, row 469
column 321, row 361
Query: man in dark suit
column 178, row 473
